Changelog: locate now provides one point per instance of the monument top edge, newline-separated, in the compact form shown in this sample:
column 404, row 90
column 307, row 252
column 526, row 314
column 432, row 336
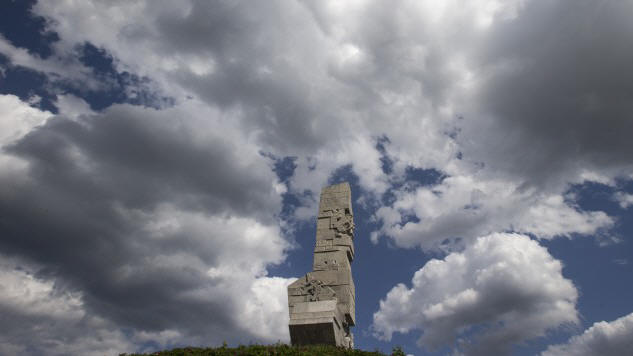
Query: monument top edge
column 338, row 186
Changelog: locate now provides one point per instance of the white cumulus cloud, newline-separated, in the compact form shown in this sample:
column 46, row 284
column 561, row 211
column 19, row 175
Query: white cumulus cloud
column 503, row 289
column 467, row 206
column 613, row 338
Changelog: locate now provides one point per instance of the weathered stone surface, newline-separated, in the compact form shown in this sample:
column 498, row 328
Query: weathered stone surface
column 322, row 303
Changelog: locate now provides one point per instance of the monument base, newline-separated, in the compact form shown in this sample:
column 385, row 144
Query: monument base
column 316, row 322
column 313, row 334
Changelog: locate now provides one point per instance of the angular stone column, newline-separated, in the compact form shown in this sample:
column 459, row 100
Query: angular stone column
column 321, row 303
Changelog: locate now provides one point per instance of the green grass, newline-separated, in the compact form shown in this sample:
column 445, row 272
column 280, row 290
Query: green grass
column 268, row 350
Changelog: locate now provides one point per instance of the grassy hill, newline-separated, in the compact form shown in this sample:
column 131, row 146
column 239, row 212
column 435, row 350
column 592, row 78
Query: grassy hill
column 268, row 350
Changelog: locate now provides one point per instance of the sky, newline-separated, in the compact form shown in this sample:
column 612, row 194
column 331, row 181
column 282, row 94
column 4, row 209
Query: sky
column 161, row 164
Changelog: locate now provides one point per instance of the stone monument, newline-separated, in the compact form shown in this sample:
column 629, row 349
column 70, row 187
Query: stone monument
column 321, row 303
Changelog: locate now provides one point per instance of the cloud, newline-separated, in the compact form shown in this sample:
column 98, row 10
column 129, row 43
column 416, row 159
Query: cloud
column 29, row 303
column 152, row 220
column 18, row 119
column 281, row 93
column 625, row 200
column 135, row 151
column 465, row 207
column 602, row 338
column 553, row 96
column 68, row 69
column 503, row 289
column 265, row 311
column 407, row 73
column 539, row 112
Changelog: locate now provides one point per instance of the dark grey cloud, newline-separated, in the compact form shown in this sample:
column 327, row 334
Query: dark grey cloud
column 129, row 208
column 141, row 158
column 244, row 42
column 558, row 87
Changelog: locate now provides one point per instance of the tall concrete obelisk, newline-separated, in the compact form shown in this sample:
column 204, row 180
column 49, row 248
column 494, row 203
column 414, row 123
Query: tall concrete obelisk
column 321, row 303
